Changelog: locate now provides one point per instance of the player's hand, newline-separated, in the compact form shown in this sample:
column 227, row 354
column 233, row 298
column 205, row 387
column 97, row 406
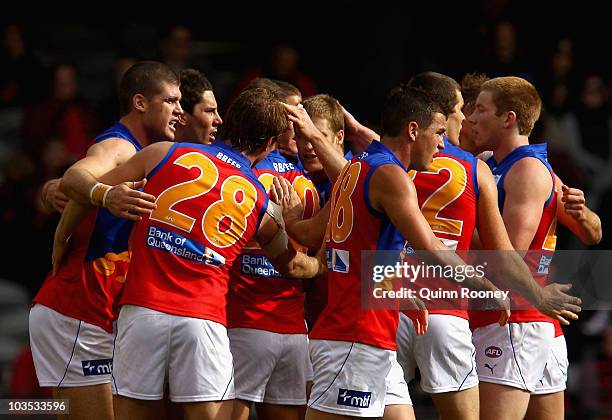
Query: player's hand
column 123, row 200
column 559, row 305
column 52, row 197
column 351, row 125
column 283, row 194
column 419, row 315
column 504, row 316
column 302, row 124
column 574, row 202
column 504, row 305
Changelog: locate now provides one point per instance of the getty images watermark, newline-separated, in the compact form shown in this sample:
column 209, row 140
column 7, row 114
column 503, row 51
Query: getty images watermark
column 390, row 280
column 415, row 270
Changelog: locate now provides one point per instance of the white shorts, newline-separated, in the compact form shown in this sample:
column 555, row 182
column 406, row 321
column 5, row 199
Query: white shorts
column 269, row 367
column 555, row 372
column 68, row 352
column 515, row 354
column 397, row 389
column 192, row 354
column 352, row 378
column 445, row 355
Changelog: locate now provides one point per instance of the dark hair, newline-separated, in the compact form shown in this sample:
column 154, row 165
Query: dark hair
column 404, row 104
column 144, row 78
column 193, row 85
column 254, row 117
column 326, row 107
column 440, row 87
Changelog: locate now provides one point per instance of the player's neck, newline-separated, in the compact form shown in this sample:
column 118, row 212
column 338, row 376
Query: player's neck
column 134, row 124
column 509, row 145
column 399, row 147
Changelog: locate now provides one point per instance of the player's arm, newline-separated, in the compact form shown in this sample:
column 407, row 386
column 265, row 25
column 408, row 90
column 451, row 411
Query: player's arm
column 330, row 158
column 358, row 134
column 528, row 185
column 393, row 192
column 81, row 181
column 123, row 182
column 493, row 236
column 309, row 232
column 273, row 239
column 573, row 213
column 101, row 158
column 72, row 216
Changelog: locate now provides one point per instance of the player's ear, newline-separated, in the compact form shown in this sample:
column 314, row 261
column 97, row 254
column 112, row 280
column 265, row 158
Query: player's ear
column 139, row 102
column 411, row 130
column 271, row 143
column 510, row 119
column 339, row 136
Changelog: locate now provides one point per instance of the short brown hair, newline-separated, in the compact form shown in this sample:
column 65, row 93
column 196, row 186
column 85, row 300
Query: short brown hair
column 440, row 87
column 255, row 116
column 405, row 104
column 287, row 89
column 470, row 87
column 145, row 78
column 326, row 107
column 265, row 83
column 518, row 95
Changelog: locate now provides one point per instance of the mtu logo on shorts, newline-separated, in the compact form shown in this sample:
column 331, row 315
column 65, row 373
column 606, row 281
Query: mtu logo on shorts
column 97, row 367
column 352, row 398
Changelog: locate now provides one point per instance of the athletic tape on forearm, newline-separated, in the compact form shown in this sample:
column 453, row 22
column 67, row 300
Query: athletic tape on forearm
column 277, row 245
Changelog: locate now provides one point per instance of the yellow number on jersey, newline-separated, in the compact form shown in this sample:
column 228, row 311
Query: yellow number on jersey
column 225, row 220
column 446, row 194
column 550, row 243
column 308, row 194
column 341, row 217
column 185, row 191
column 266, row 180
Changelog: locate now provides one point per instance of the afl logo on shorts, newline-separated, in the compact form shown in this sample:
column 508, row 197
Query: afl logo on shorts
column 493, row 351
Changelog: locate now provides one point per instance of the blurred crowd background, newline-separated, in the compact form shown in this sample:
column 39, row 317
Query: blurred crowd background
column 58, row 91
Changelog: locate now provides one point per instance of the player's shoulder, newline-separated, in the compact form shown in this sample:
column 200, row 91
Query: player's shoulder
column 527, row 167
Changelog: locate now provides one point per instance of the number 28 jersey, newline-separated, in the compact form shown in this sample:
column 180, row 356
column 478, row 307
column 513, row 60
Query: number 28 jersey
column 209, row 205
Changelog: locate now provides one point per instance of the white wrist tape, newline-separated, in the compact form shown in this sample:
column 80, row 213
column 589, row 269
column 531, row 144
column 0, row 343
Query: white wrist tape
column 98, row 193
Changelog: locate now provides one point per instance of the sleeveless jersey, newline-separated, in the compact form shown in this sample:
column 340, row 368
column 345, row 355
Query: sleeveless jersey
column 209, row 206
column 355, row 226
column 448, row 197
column 91, row 278
column 542, row 247
column 316, row 288
column 259, row 296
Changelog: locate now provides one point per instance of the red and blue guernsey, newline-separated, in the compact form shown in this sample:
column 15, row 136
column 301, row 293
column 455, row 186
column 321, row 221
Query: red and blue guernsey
column 92, row 277
column 209, row 206
column 259, row 296
column 448, row 197
column 355, row 226
column 542, row 247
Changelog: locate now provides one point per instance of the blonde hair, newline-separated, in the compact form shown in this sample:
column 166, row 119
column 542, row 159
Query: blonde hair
column 326, row 107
